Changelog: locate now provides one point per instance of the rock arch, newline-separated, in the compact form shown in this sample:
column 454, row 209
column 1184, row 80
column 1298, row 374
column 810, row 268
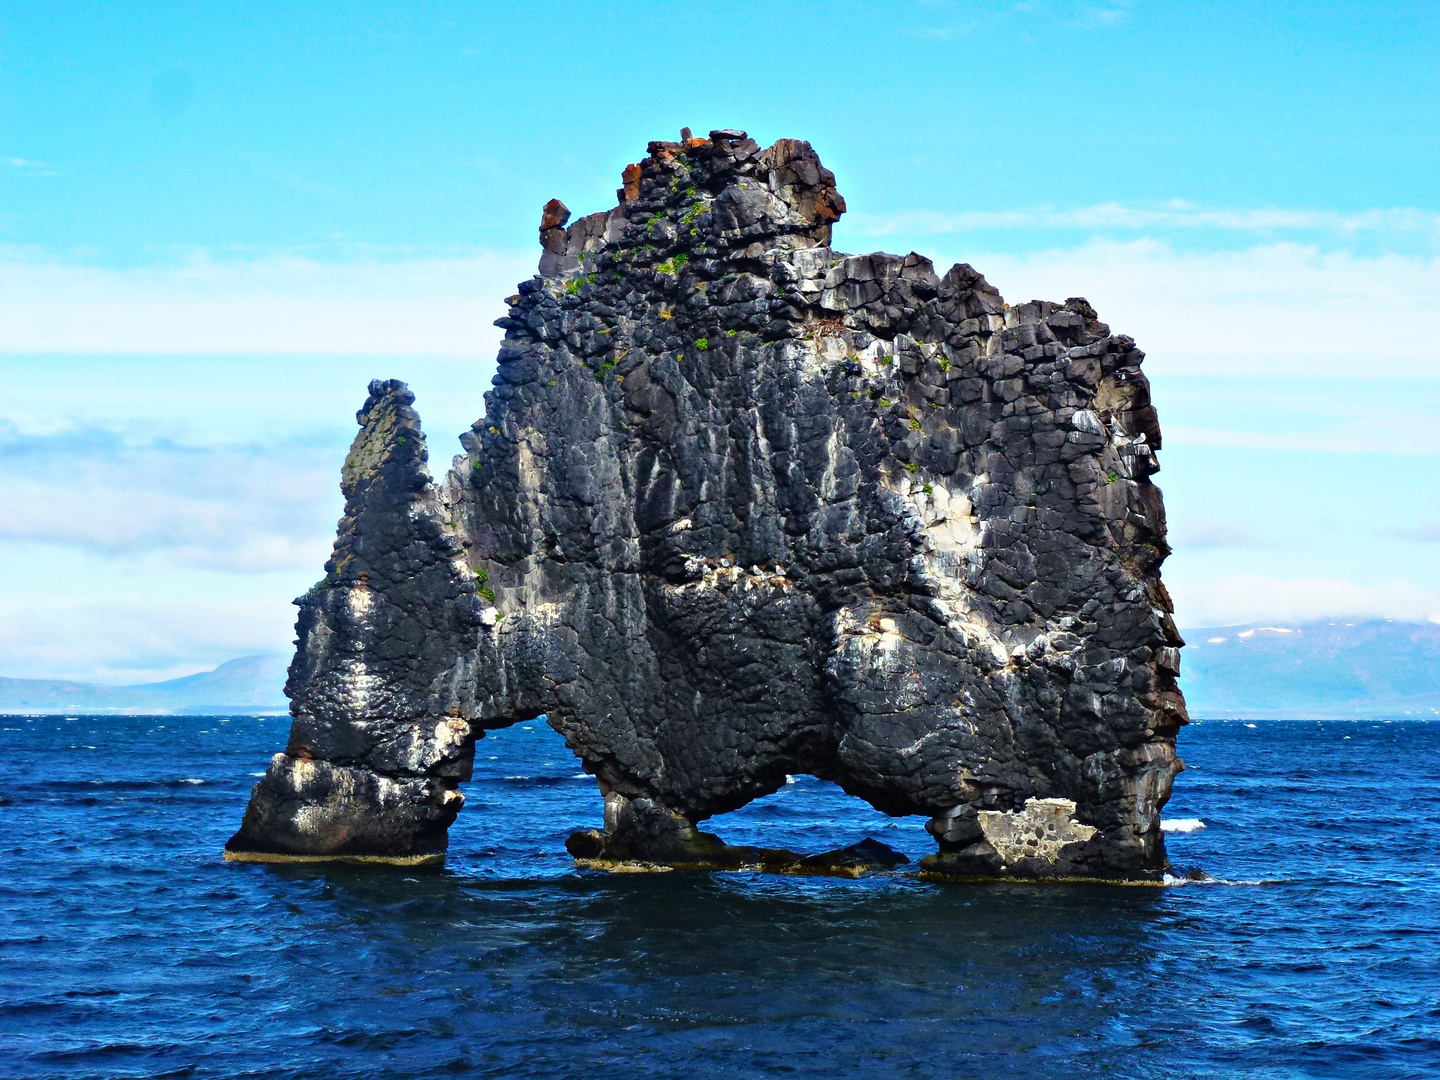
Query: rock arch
column 742, row 506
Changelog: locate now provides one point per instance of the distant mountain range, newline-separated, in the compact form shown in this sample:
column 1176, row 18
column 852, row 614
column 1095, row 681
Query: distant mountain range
column 1332, row 669
column 247, row 684
column 1337, row 670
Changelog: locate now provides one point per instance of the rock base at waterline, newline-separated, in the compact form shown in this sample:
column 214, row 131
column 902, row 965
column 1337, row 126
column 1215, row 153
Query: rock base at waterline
column 592, row 851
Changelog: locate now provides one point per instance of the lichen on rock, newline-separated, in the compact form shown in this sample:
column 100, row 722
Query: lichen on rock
column 741, row 506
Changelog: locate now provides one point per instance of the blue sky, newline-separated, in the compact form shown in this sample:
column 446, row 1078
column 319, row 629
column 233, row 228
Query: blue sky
column 217, row 224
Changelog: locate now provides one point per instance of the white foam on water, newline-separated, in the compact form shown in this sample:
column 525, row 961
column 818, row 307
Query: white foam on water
column 1250, row 725
column 1181, row 825
column 191, row 780
column 257, row 774
column 1170, row 881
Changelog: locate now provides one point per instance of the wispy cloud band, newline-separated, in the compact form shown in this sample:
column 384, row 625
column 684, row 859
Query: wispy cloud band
column 1176, row 214
column 1245, row 598
column 236, row 508
column 26, row 167
column 284, row 303
column 1258, row 308
column 1279, row 308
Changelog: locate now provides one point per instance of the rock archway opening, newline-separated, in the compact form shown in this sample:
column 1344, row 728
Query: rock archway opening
column 810, row 815
column 526, row 793
column 529, row 806
column 806, row 826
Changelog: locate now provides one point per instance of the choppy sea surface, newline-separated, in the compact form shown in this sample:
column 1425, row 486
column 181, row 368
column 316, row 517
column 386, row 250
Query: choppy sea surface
column 129, row 949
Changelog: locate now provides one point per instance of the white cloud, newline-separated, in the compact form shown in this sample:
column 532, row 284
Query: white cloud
column 951, row 20
column 236, row 508
column 1112, row 15
column 439, row 306
column 1245, row 598
column 31, row 168
column 1399, row 221
column 1268, row 309
column 1275, row 309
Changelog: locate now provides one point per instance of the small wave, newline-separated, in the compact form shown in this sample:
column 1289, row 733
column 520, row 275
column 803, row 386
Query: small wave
column 1170, row 881
column 1250, row 725
column 536, row 781
column 257, row 774
column 1182, row 825
column 94, row 784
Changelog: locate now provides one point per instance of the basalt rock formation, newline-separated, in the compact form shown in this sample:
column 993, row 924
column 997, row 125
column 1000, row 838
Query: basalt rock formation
column 741, row 506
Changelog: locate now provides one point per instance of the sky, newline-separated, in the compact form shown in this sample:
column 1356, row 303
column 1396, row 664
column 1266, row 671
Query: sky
column 219, row 222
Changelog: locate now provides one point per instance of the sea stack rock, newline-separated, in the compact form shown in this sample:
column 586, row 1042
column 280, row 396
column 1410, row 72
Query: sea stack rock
column 742, row 506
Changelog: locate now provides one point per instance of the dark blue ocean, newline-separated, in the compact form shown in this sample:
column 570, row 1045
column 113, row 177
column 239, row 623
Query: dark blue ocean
column 129, row 949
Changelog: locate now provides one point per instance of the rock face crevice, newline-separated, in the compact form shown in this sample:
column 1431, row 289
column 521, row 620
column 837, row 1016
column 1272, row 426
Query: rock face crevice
column 741, row 506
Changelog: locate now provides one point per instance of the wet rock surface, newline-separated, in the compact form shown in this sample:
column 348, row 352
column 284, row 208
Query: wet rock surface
column 596, row 850
column 741, row 506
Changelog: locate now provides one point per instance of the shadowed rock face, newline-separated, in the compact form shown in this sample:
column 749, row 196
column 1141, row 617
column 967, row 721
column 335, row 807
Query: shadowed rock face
column 742, row 506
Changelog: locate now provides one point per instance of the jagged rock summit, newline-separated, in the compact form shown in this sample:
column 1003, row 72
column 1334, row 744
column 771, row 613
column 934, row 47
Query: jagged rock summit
column 741, row 506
